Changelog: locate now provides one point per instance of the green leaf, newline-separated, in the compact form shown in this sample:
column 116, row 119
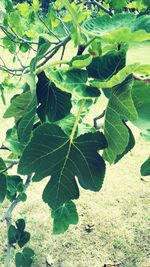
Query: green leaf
column 79, row 62
column 12, row 184
column 63, row 217
column 130, row 145
column 74, row 82
column 103, row 25
column 12, row 142
column 12, row 235
column 20, row 223
column 43, row 46
column 3, row 187
column 145, row 168
column 140, row 93
column 120, row 107
column 106, row 66
column 25, row 258
column 67, row 123
column 117, row 78
column 18, row 105
column 2, row 165
column 26, row 123
column 53, row 103
column 24, row 238
column 117, row 4
column 51, row 152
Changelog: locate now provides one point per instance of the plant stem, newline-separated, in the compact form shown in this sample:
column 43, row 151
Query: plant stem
column 77, row 120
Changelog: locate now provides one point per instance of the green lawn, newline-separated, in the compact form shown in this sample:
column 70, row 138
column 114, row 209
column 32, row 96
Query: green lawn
column 118, row 214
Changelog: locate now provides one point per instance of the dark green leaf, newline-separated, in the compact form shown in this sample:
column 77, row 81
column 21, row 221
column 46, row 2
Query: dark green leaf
column 12, row 235
column 3, row 187
column 104, row 67
column 20, row 223
column 25, row 237
column 63, row 217
column 120, row 107
column 2, row 165
column 145, row 168
column 25, row 258
column 53, row 103
column 12, row 183
column 51, row 152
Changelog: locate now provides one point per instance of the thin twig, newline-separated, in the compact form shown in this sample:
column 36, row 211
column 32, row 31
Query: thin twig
column 100, row 6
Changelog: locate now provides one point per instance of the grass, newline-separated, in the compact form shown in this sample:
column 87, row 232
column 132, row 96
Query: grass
column 119, row 213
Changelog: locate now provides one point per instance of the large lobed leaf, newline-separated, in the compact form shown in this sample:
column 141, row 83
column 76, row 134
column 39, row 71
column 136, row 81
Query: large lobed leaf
column 120, row 26
column 104, row 67
column 51, row 152
column 54, row 104
column 120, row 108
column 74, row 82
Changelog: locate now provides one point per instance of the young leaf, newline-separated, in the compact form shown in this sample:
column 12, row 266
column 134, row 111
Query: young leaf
column 79, row 62
column 12, row 142
column 63, row 217
column 53, row 103
column 145, row 168
column 51, row 152
column 120, row 107
column 25, row 258
column 3, row 187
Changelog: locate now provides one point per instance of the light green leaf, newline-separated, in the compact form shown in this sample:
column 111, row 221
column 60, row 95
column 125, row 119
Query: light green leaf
column 63, row 217
column 79, row 62
column 18, row 105
column 105, row 24
column 140, row 95
column 120, row 107
column 12, row 142
column 145, row 168
column 51, row 152
column 74, row 82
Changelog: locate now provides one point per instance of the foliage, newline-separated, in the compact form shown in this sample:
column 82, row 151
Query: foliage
column 50, row 136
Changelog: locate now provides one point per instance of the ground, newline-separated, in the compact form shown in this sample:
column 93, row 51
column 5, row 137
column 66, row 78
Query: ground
column 113, row 223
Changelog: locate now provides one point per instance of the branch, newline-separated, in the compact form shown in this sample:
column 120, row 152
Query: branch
column 100, row 6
